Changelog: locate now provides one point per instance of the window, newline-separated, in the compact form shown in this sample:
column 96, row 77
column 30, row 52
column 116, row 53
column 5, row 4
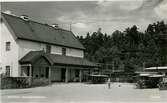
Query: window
column 63, row 51
column 48, row 49
column 8, row 71
column 8, row 44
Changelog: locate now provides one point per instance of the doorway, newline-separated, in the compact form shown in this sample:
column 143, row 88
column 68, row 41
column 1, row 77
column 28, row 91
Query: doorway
column 47, row 72
column 63, row 74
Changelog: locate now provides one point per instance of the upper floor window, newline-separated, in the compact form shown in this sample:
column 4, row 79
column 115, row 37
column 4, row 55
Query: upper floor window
column 7, row 71
column 48, row 49
column 63, row 51
column 8, row 46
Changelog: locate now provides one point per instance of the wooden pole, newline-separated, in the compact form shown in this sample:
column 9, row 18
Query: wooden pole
column 113, row 66
column 66, row 75
column 143, row 66
column 30, row 74
column 80, row 75
column 49, row 74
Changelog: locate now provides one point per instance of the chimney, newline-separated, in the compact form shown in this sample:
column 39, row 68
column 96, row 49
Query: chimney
column 8, row 12
column 55, row 25
column 24, row 17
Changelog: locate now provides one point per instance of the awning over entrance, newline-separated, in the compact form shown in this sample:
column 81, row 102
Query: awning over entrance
column 54, row 59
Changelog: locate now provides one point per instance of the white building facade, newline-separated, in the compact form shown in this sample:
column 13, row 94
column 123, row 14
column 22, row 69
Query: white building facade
column 14, row 46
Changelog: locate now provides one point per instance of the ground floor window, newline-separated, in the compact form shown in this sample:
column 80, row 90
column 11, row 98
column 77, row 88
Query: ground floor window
column 8, row 71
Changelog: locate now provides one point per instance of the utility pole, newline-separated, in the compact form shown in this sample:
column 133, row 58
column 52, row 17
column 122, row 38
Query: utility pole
column 70, row 26
column 143, row 66
column 113, row 66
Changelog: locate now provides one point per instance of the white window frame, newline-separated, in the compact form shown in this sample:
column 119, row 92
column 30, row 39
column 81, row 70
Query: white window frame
column 8, row 46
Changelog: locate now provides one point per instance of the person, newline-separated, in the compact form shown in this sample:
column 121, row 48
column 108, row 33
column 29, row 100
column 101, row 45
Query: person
column 109, row 83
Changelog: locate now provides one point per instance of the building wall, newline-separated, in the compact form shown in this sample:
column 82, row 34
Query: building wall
column 55, row 74
column 72, row 74
column 56, row 50
column 20, row 48
column 27, row 46
column 8, row 58
column 74, row 52
column 39, row 72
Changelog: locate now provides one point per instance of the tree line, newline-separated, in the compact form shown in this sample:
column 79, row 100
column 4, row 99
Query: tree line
column 132, row 48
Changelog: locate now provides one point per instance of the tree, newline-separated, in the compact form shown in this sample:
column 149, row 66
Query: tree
column 131, row 47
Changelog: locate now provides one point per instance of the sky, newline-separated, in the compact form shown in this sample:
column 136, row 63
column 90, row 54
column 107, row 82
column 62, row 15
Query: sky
column 88, row 16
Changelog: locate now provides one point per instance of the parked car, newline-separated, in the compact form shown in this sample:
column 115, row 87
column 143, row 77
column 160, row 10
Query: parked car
column 148, row 81
column 163, row 83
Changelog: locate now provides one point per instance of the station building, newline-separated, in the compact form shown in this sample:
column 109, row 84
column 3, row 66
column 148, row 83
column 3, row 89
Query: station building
column 37, row 50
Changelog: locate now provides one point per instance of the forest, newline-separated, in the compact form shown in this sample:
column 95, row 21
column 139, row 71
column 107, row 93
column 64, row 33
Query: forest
column 132, row 48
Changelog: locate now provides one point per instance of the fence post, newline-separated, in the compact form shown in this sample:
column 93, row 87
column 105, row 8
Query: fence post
column 80, row 75
column 49, row 74
column 30, row 75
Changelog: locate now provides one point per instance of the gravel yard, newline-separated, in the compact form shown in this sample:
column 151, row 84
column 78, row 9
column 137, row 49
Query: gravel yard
column 84, row 93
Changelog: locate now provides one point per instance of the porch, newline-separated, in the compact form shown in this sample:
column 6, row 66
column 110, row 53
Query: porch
column 54, row 68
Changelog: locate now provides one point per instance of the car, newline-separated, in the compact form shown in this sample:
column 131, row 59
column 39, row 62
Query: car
column 163, row 83
column 148, row 81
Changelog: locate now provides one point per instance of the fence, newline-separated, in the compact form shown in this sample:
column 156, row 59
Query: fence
column 15, row 82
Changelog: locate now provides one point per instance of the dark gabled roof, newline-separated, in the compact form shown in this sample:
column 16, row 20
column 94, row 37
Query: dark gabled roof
column 31, row 57
column 55, row 59
column 34, row 31
column 68, row 60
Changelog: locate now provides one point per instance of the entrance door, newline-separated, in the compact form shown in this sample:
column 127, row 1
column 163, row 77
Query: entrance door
column 47, row 72
column 63, row 73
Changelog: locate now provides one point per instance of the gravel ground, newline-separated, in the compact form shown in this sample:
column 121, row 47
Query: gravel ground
column 84, row 93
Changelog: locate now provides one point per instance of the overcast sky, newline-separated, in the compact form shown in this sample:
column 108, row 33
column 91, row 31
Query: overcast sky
column 88, row 16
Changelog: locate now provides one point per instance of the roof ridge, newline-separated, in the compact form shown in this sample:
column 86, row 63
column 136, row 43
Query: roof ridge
column 31, row 57
column 36, row 31
column 10, row 14
column 32, row 20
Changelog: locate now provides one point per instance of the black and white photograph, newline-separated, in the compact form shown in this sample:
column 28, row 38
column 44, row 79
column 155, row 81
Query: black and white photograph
column 85, row 51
